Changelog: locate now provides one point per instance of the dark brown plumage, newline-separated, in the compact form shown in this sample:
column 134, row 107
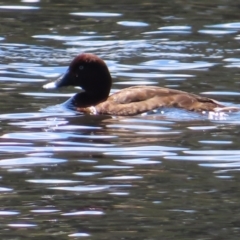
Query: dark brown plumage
column 91, row 73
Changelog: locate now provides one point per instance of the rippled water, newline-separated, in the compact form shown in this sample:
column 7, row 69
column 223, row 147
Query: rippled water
column 169, row 174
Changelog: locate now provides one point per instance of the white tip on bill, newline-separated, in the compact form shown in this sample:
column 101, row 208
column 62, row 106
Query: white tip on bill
column 50, row 85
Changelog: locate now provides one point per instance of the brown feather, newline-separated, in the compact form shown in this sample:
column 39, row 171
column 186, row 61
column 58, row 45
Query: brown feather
column 139, row 99
column 91, row 73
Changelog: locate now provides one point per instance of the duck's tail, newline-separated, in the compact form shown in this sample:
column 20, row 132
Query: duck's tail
column 221, row 113
column 226, row 109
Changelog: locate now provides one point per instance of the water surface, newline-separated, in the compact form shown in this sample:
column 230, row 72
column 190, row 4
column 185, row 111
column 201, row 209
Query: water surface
column 169, row 174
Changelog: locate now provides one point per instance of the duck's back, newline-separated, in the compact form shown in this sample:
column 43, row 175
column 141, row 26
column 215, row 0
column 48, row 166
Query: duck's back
column 139, row 99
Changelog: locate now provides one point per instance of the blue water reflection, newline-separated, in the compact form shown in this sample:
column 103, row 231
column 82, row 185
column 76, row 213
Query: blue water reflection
column 166, row 174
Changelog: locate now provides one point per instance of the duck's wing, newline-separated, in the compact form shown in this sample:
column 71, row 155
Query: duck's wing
column 139, row 99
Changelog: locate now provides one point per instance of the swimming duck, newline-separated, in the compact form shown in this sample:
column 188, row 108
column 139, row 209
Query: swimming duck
column 91, row 73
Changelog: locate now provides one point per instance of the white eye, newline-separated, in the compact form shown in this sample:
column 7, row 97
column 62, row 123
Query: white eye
column 81, row 67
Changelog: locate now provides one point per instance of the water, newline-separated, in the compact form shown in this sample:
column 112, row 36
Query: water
column 170, row 174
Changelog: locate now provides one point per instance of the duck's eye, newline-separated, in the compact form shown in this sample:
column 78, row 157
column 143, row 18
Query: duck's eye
column 81, row 67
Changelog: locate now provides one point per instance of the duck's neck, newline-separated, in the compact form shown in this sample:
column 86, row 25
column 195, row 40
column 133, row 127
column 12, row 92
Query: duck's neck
column 88, row 99
column 96, row 85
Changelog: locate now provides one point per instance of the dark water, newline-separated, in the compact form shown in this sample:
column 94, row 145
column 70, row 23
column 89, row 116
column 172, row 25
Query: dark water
column 168, row 175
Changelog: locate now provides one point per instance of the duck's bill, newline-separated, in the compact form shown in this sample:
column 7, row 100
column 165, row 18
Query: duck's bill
column 51, row 85
column 63, row 80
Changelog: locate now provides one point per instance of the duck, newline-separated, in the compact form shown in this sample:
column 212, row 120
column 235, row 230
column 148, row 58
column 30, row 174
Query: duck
column 91, row 73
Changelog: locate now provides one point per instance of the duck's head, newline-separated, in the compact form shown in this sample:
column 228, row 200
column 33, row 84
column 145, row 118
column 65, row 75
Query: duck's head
column 88, row 72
